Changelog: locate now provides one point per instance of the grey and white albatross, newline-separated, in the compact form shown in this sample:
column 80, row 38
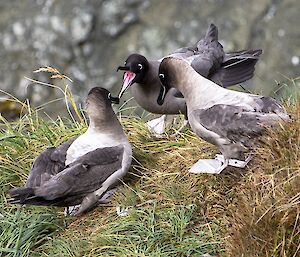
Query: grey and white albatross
column 229, row 119
column 82, row 170
column 207, row 57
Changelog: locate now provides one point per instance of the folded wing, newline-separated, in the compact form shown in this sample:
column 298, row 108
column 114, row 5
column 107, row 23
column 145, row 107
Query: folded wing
column 72, row 184
column 235, row 123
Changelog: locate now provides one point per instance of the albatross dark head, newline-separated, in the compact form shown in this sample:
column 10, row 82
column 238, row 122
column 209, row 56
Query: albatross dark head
column 135, row 69
column 165, row 76
column 99, row 98
column 103, row 95
column 99, row 108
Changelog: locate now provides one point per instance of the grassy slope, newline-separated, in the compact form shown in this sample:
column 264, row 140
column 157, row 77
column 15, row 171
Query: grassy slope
column 251, row 212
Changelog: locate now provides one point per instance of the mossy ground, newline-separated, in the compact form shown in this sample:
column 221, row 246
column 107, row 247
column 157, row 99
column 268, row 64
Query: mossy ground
column 249, row 212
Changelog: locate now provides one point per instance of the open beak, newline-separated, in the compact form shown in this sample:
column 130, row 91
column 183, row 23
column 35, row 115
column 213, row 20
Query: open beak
column 128, row 80
column 162, row 95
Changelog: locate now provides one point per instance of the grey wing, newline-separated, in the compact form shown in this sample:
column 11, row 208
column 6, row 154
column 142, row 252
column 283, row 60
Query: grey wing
column 83, row 176
column 236, row 68
column 47, row 164
column 184, row 52
column 231, row 122
column 203, row 64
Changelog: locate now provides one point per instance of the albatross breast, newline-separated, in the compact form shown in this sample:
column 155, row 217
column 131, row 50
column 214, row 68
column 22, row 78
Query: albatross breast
column 88, row 142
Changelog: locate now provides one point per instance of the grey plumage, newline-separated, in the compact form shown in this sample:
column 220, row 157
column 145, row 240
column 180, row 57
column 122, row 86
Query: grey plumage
column 69, row 185
column 207, row 57
column 82, row 169
column 228, row 119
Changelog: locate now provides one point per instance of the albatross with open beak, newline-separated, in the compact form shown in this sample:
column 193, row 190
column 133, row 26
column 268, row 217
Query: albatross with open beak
column 83, row 170
column 207, row 57
column 229, row 119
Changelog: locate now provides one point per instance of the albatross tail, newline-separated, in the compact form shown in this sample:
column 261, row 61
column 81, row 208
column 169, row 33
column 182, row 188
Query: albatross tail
column 26, row 195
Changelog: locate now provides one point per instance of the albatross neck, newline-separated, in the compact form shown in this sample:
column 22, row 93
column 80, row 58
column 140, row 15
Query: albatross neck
column 198, row 91
column 107, row 123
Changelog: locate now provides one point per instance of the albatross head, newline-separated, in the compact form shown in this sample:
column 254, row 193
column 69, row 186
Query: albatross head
column 167, row 75
column 135, row 68
column 99, row 100
column 100, row 112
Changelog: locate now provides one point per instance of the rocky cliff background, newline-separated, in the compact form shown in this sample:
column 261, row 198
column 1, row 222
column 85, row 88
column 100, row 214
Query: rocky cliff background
column 88, row 39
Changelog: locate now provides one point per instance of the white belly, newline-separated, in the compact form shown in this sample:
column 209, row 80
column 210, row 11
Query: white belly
column 88, row 142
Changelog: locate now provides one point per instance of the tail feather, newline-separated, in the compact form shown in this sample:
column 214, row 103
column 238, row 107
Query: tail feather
column 21, row 191
column 25, row 195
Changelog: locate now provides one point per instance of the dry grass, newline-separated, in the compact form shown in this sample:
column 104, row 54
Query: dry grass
column 249, row 212
column 264, row 221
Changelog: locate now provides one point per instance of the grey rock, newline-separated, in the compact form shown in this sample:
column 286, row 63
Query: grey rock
column 88, row 39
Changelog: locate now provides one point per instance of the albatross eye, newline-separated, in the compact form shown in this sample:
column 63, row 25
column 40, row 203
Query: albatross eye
column 140, row 66
column 161, row 76
column 109, row 96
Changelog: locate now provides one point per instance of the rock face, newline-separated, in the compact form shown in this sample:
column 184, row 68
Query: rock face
column 88, row 39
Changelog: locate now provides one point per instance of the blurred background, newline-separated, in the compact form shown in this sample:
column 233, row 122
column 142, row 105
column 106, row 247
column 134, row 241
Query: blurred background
column 87, row 39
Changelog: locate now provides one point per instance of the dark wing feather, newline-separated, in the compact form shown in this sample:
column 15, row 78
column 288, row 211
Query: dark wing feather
column 232, row 57
column 209, row 54
column 71, row 185
column 209, row 60
column 47, row 164
column 231, row 122
column 236, row 68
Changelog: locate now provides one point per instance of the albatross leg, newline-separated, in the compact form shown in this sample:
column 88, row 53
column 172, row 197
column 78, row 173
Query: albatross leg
column 107, row 196
column 73, row 210
column 157, row 126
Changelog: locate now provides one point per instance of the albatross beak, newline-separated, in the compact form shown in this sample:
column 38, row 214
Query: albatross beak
column 128, row 80
column 162, row 95
column 114, row 100
column 123, row 68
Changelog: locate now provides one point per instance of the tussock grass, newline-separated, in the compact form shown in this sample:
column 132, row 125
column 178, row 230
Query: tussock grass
column 21, row 231
column 265, row 218
column 249, row 212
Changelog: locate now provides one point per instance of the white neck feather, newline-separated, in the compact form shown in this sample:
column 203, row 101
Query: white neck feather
column 200, row 92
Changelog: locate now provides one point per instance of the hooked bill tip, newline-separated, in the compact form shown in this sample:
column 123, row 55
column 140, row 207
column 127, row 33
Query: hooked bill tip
column 114, row 100
column 122, row 68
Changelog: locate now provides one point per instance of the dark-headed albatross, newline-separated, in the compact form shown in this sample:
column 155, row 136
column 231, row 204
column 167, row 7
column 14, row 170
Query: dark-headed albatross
column 82, row 170
column 207, row 57
column 229, row 119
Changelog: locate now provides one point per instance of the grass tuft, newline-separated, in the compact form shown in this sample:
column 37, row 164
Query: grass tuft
column 249, row 212
column 265, row 218
column 21, row 231
column 155, row 231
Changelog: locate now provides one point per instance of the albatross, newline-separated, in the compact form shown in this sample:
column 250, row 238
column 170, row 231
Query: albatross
column 84, row 170
column 207, row 57
column 229, row 119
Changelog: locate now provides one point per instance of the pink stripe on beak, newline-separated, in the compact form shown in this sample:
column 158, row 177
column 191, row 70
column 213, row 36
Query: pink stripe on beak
column 127, row 81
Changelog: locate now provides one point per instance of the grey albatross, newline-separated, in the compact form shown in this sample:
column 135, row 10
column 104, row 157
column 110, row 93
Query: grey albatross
column 229, row 119
column 82, row 171
column 207, row 57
